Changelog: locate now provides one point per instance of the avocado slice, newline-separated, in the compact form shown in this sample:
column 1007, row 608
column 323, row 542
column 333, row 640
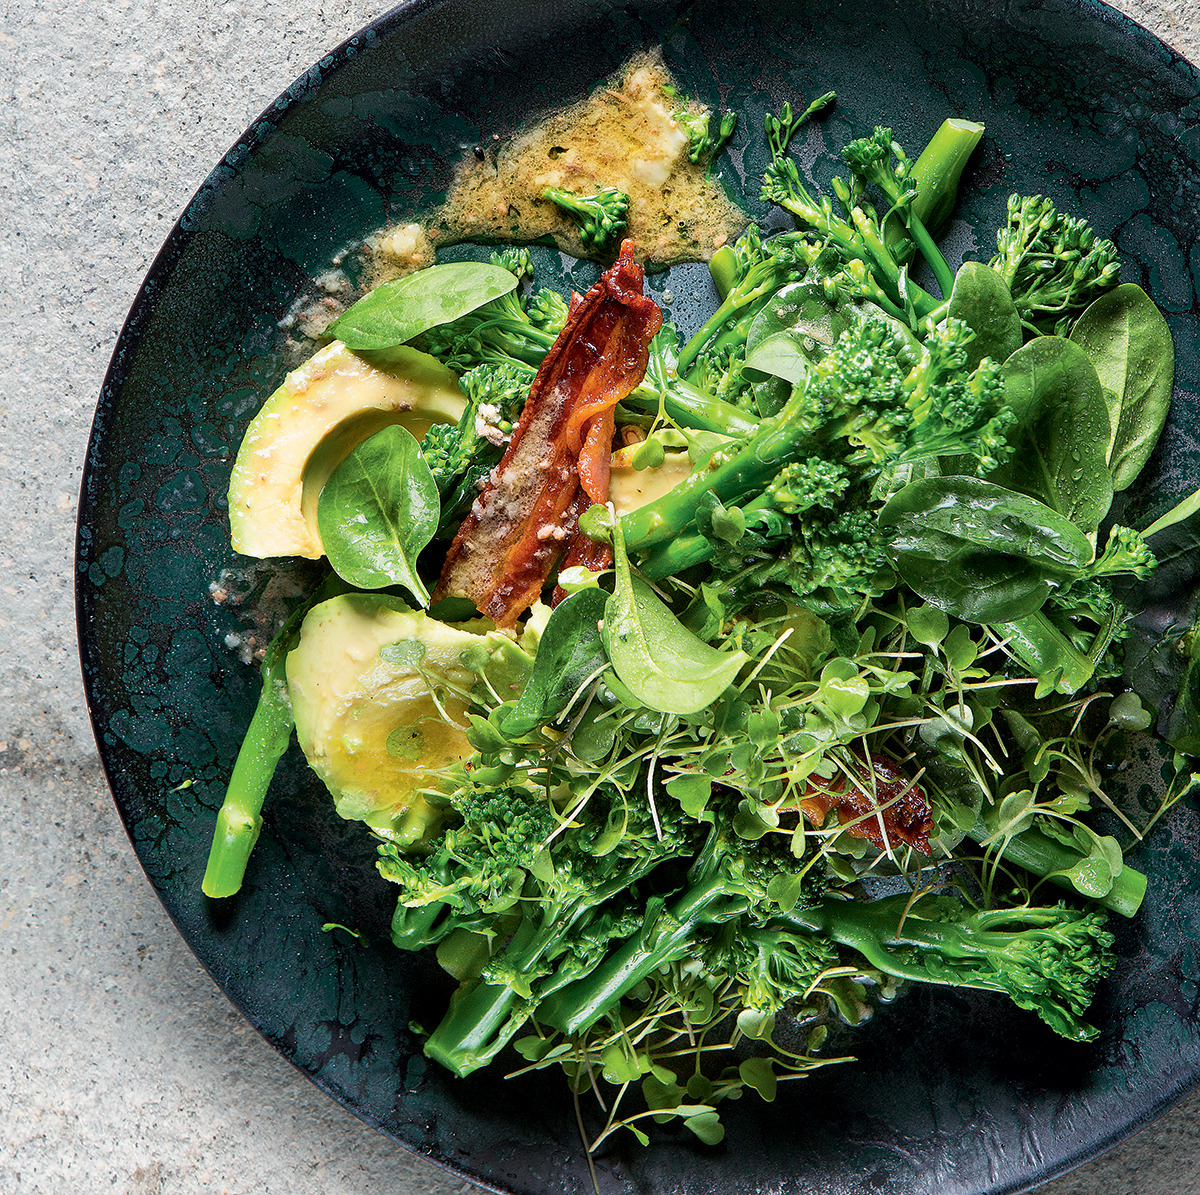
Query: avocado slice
column 358, row 681
column 333, row 402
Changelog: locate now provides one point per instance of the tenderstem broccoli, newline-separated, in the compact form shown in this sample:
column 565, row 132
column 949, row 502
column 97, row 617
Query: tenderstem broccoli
column 601, row 217
column 510, row 328
column 1046, row 960
column 730, row 878
column 1054, row 264
column 239, row 819
column 565, row 900
column 868, row 397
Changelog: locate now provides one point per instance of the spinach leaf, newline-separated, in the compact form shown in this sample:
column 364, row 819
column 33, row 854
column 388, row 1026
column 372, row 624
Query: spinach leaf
column 981, row 299
column 664, row 665
column 378, row 509
column 780, row 356
column 570, row 650
column 978, row 551
column 1128, row 342
column 801, row 310
column 397, row 311
column 1062, row 431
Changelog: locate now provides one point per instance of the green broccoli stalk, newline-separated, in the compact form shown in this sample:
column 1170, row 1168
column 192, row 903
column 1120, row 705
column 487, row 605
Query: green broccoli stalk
column 601, row 217
column 1041, row 855
column 1052, row 645
column 878, row 160
column 730, row 878
column 1054, row 264
column 866, row 396
column 857, row 241
column 1046, row 960
column 871, row 251
column 564, row 899
column 239, row 819
column 681, row 400
column 797, row 488
column 935, row 176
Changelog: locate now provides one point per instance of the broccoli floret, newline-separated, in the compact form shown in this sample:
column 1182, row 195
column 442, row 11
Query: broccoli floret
column 775, row 966
column 1054, row 264
column 516, row 260
column 461, row 455
column 547, row 309
column 806, row 484
column 702, row 142
column 1047, row 960
column 480, row 864
column 1125, row 553
column 601, row 217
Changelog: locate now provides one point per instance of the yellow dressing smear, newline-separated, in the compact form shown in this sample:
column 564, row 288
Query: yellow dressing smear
column 623, row 135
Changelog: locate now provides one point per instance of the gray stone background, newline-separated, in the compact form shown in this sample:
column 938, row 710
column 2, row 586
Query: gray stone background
column 122, row 1068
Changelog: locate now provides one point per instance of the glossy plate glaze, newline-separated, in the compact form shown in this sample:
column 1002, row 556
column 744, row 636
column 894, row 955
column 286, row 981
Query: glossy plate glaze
column 951, row 1094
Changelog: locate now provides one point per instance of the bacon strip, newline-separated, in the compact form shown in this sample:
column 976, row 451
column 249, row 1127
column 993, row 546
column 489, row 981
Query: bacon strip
column 906, row 820
column 527, row 514
column 582, row 551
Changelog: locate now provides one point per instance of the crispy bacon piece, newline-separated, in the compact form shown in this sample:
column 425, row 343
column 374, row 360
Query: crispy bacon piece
column 580, row 549
column 527, row 514
column 906, row 820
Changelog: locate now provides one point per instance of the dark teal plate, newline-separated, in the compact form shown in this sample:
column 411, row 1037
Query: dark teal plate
column 951, row 1094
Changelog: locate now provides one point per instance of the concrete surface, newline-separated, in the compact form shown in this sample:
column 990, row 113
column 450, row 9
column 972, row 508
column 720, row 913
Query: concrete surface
column 122, row 1068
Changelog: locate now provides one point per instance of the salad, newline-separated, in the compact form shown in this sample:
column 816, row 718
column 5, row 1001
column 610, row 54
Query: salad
column 699, row 696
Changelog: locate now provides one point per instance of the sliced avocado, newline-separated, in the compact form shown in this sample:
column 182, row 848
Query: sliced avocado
column 629, row 488
column 333, row 402
column 365, row 717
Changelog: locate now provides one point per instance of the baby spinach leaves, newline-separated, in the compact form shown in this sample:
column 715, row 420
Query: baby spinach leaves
column 796, row 328
column 1062, row 431
column 378, row 509
column 981, row 299
column 570, row 651
column 977, row 550
column 1128, row 342
column 397, row 311
column 663, row 665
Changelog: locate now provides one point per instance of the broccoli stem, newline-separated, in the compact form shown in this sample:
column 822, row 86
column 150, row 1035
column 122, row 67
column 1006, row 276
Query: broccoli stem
column 733, row 473
column 664, row 939
column 239, row 819
column 935, row 175
column 868, row 928
column 691, row 407
column 1047, row 653
column 671, row 558
column 760, row 282
column 484, row 1017
column 1041, row 855
column 723, row 267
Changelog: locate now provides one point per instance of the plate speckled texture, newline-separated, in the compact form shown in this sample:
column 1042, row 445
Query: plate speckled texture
column 952, row 1094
